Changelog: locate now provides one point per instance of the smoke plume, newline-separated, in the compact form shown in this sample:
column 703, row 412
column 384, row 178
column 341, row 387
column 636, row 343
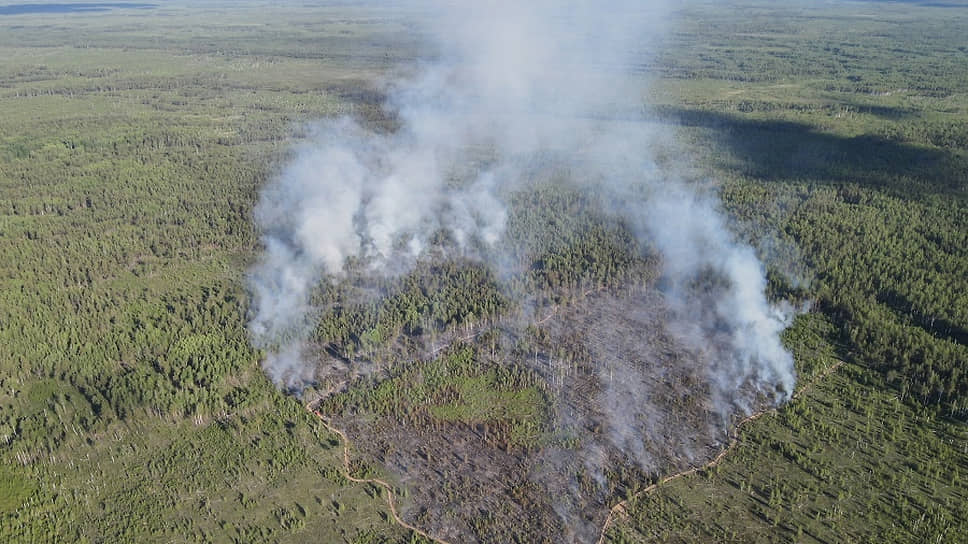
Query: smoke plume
column 510, row 85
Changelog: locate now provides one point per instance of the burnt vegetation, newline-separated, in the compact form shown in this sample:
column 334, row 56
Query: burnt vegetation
column 544, row 396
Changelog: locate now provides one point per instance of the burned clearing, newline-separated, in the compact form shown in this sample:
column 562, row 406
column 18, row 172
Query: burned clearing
column 529, row 425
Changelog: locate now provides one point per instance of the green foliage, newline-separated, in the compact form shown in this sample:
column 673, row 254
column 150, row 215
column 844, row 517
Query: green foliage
column 14, row 489
column 435, row 297
column 459, row 386
column 846, row 463
column 131, row 405
column 566, row 240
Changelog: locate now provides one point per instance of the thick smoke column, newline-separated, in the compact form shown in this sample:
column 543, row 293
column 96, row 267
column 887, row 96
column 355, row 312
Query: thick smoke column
column 513, row 80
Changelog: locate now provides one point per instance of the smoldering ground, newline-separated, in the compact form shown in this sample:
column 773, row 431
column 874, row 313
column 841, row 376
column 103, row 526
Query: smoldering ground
column 517, row 88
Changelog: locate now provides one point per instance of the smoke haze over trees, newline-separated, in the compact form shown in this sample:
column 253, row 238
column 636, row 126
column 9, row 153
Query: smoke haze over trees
column 542, row 99
column 517, row 89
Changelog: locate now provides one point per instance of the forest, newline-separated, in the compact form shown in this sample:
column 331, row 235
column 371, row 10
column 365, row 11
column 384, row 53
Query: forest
column 134, row 143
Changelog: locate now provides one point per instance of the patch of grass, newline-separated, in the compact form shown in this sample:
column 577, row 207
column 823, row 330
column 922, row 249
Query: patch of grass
column 14, row 489
column 456, row 387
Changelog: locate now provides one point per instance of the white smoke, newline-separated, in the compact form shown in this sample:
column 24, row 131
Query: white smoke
column 510, row 81
column 701, row 245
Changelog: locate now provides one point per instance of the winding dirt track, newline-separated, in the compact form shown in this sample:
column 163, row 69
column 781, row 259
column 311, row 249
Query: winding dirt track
column 620, row 510
column 391, row 501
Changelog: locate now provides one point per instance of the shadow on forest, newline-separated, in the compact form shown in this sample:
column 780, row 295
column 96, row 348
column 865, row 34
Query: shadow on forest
column 884, row 112
column 789, row 151
column 938, row 327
